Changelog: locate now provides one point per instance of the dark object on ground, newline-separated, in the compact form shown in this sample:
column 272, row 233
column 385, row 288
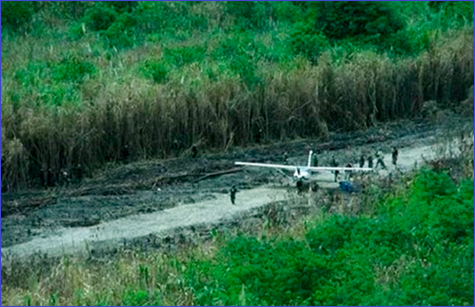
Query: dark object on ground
column 194, row 151
column 348, row 186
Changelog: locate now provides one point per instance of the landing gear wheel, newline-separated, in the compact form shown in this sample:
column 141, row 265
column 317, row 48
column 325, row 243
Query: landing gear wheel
column 314, row 187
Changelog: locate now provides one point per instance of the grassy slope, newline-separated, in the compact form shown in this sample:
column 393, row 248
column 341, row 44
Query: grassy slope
column 114, row 83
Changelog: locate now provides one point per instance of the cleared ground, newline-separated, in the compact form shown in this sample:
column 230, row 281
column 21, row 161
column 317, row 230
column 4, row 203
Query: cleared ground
column 142, row 203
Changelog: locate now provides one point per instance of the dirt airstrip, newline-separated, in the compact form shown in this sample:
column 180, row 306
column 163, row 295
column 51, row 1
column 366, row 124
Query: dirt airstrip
column 146, row 201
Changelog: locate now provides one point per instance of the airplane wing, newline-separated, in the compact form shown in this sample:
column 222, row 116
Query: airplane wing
column 313, row 168
column 287, row 167
column 325, row 168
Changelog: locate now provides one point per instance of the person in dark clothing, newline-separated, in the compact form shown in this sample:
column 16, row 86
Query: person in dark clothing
column 258, row 136
column 370, row 161
column 379, row 157
column 286, row 158
column 233, row 194
column 349, row 174
column 395, row 155
column 314, row 160
column 362, row 161
column 334, row 164
column 194, row 151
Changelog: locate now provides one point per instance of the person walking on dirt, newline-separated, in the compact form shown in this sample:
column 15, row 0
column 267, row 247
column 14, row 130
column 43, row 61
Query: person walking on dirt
column 333, row 163
column 395, row 155
column 233, row 194
column 379, row 157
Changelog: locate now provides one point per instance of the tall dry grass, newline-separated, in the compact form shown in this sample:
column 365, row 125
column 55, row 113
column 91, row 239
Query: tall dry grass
column 128, row 118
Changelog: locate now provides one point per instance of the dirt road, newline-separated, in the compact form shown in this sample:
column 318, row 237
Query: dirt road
column 76, row 220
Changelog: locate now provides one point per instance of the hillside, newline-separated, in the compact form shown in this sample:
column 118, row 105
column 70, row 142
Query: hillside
column 87, row 83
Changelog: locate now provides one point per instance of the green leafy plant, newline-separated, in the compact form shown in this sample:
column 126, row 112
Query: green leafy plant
column 72, row 69
column 100, row 16
column 156, row 70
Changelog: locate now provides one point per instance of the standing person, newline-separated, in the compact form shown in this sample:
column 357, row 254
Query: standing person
column 334, row 164
column 361, row 161
column 370, row 161
column 258, row 136
column 314, row 160
column 395, row 155
column 349, row 174
column 379, row 157
column 286, row 158
column 194, row 151
column 233, row 194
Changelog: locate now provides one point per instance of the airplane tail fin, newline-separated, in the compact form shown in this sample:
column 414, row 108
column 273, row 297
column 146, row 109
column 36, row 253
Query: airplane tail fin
column 310, row 158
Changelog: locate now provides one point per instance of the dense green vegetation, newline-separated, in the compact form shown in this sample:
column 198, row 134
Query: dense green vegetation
column 86, row 83
column 411, row 245
column 416, row 250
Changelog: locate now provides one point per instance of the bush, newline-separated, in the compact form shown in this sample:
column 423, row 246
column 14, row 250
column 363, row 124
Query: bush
column 184, row 55
column 249, row 14
column 16, row 13
column 140, row 298
column 121, row 33
column 308, row 42
column 331, row 236
column 156, row 70
column 99, row 17
column 122, row 6
column 72, row 69
column 343, row 19
column 253, row 272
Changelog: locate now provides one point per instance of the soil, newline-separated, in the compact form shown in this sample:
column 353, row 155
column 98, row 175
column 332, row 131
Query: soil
column 145, row 202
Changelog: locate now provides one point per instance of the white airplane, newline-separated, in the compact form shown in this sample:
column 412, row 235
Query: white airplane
column 305, row 173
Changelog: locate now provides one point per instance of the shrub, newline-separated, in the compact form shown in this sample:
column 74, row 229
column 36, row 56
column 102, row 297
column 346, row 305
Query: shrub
column 16, row 13
column 99, row 17
column 121, row 33
column 184, row 55
column 249, row 14
column 156, row 70
column 254, row 272
column 344, row 19
column 72, row 69
column 122, row 6
column 332, row 235
column 306, row 41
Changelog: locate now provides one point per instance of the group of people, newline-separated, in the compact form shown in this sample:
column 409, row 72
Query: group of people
column 362, row 160
column 334, row 163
